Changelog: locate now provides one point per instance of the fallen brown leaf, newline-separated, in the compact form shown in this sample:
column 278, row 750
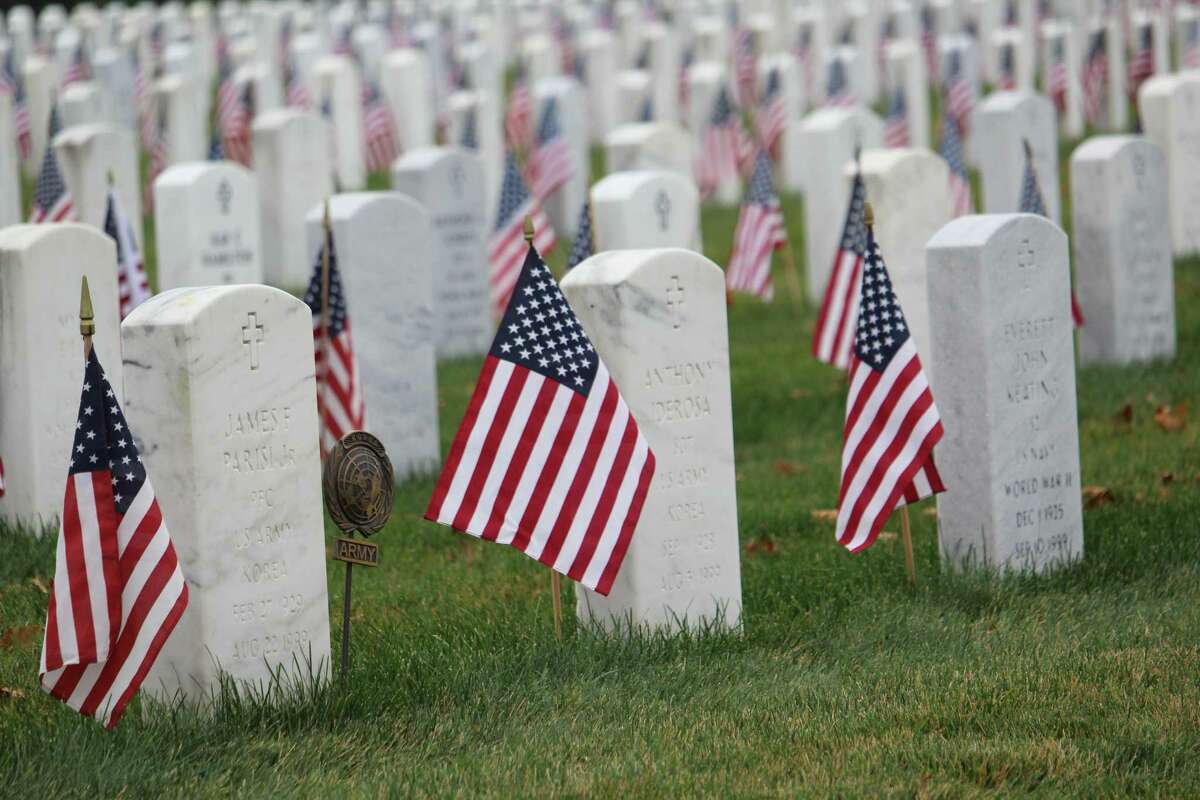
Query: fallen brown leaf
column 1166, row 478
column 825, row 515
column 19, row 637
column 1172, row 419
column 1096, row 496
column 1126, row 413
column 765, row 545
column 784, row 467
column 887, row 536
column 40, row 585
column 800, row 394
column 11, row 694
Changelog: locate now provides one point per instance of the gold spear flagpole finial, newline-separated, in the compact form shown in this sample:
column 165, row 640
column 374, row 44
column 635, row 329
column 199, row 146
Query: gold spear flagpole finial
column 869, row 214
column 87, row 317
column 529, row 230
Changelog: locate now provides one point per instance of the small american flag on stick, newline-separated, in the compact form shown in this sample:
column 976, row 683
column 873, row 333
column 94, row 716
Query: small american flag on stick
column 340, row 405
column 506, row 247
column 759, row 233
column 1031, row 202
column 13, row 85
column 519, row 112
column 550, row 163
column 892, row 423
column 584, row 246
column 723, row 146
column 1095, row 76
column 958, row 91
column 834, row 335
column 51, row 200
column 378, row 130
column 118, row 589
column 772, row 115
column 548, row 458
column 952, row 152
column 1056, row 76
column 1006, row 81
column 895, row 126
column 133, row 287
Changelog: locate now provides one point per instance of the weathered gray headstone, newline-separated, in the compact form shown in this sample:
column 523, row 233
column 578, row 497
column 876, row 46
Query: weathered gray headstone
column 1122, row 253
column 644, row 209
column 1003, row 354
column 657, row 319
column 222, row 396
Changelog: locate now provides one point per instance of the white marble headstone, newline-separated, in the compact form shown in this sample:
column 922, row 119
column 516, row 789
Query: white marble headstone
column 1003, row 354
column 222, row 398
column 384, row 251
column 87, row 154
column 827, row 143
column 644, row 209
column 1170, row 107
column 207, row 225
column 41, row 355
column 1122, row 253
column 291, row 161
column 649, row 145
column 10, row 170
column 337, row 79
column 657, row 319
column 1001, row 124
column 408, row 87
column 449, row 183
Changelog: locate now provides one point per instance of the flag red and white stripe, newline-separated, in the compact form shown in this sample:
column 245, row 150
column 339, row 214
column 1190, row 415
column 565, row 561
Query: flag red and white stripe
column 118, row 589
column 759, row 233
column 133, row 287
column 836, row 321
column 548, row 458
column 506, row 247
column 892, row 423
column 379, row 132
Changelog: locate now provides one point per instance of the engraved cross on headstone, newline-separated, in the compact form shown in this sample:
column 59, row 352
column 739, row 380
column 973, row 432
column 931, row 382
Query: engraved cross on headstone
column 662, row 205
column 458, row 179
column 224, row 196
column 1025, row 263
column 252, row 336
column 675, row 300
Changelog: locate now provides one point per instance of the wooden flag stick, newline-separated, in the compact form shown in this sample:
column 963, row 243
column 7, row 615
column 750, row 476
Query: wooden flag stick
column 906, row 533
column 87, row 318
column 556, row 596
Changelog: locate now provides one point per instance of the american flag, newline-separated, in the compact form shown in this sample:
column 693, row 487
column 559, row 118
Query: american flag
column 647, row 112
column 772, row 116
column 958, row 91
column 156, row 41
column 895, row 125
column 77, row 68
column 1007, row 80
column 745, row 65
column 1141, row 63
column 13, row 84
column 929, row 40
column 1095, row 76
column 506, row 247
column 118, row 589
column 1031, row 202
column 1056, row 76
column 343, row 44
column 960, row 185
column 1189, row 58
column 340, row 405
column 803, row 50
column 215, row 152
column 550, row 162
column 293, row 85
column 519, row 112
column 158, row 150
column 397, row 27
column 685, row 64
column 836, row 321
column 233, row 117
column 892, row 423
column 133, row 287
column 1, row 477
column 723, row 145
column 469, row 139
column 548, row 458
column 51, row 200
column 838, row 92
column 379, row 133
column 759, row 232
column 584, row 246
column 139, row 82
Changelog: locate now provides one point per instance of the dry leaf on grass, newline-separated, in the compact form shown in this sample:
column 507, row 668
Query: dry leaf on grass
column 1166, row 478
column 11, row 694
column 825, row 515
column 887, row 536
column 1125, row 414
column 800, row 394
column 765, row 545
column 1096, row 496
column 20, row 637
column 784, row 467
column 1172, row 419
column 40, row 585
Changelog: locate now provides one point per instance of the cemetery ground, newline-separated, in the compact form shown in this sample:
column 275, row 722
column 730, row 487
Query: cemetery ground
column 844, row 680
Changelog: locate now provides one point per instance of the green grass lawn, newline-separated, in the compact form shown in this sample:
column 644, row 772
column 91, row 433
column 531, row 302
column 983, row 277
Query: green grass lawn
column 844, row 681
